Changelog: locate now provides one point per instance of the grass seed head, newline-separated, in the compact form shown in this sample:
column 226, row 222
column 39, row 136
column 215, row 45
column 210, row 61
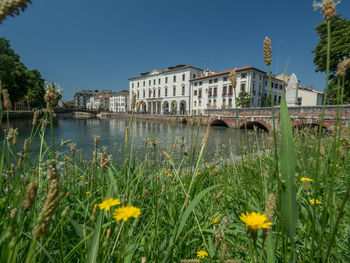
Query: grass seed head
column 7, row 102
column 133, row 100
column 233, row 79
column 342, row 67
column 267, row 51
column 328, row 9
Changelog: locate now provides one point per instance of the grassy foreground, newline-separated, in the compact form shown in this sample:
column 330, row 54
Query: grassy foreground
column 50, row 213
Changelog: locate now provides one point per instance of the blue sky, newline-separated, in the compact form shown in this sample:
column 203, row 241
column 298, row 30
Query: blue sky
column 99, row 44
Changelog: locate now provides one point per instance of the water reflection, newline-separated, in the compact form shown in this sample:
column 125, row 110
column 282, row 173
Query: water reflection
column 111, row 133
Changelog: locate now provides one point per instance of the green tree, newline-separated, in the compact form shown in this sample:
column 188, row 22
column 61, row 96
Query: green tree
column 266, row 101
column 17, row 79
column 243, row 99
column 340, row 48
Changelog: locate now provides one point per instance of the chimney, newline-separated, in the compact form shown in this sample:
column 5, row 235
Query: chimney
column 310, row 87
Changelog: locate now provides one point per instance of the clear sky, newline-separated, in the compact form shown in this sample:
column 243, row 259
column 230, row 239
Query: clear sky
column 99, row 44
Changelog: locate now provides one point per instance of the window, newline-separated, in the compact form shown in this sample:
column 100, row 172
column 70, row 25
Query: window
column 210, row 81
column 230, row 90
column 215, row 91
column 276, row 86
column 225, row 78
column 200, row 83
column 138, row 94
column 166, row 92
column 149, row 83
column 174, row 78
column 183, row 77
column 195, row 103
column 279, row 99
column 138, row 84
column 154, row 93
column 195, row 84
column 224, row 103
column 183, row 90
column 132, row 86
column 144, row 83
column 300, row 100
column 253, row 75
column 265, row 82
column 200, row 93
column 194, row 75
column 210, row 92
column 260, row 77
column 144, row 94
column 199, row 103
column 214, row 103
column 158, row 92
column 195, row 93
column 166, row 79
column 158, row 81
column 243, row 75
column 149, row 93
column 230, row 102
column 215, row 80
column 281, row 87
column 275, row 98
column 174, row 91
column 224, row 90
column 243, row 87
column 154, row 82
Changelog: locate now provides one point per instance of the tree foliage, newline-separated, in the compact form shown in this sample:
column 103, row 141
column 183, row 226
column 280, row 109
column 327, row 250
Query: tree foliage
column 340, row 48
column 243, row 99
column 17, row 79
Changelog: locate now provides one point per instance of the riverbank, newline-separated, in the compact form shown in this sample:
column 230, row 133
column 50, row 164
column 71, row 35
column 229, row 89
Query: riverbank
column 18, row 114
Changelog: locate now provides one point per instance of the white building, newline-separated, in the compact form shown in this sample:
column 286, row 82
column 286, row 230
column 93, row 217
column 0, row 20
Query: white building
column 82, row 97
column 309, row 97
column 98, row 102
column 119, row 102
column 164, row 91
column 214, row 90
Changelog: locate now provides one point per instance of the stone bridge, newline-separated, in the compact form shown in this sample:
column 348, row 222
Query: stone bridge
column 262, row 117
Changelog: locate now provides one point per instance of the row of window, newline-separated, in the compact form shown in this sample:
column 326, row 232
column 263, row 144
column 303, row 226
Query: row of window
column 159, row 81
column 153, row 92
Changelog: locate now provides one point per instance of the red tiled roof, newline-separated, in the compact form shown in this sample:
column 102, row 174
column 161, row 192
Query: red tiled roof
column 226, row 72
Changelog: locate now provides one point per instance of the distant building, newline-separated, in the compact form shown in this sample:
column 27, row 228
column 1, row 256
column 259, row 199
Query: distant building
column 309, row 97
column 119, row 102
column 98, row 102
column 81, row 98
column 164, row 91
column 213, row 90
column 70, row 104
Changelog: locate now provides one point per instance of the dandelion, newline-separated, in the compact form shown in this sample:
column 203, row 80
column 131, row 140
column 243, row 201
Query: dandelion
column 215, row 220
column 202, row 254
column 315, row 201
column 170, row 175
column 108, row 203
column 126, row 212
column 255, row 221
column 87, row 193
column 305, row 179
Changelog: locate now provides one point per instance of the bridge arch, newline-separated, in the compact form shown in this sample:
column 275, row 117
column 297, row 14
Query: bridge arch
column 259, row 124
column 219, row 122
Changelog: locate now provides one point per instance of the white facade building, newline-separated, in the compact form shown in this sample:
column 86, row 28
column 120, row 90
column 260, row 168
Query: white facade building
column 214, row 90
column 81, row 98
column 99, row 103
column 164, row 91
column 119, row 102
column 309, row 97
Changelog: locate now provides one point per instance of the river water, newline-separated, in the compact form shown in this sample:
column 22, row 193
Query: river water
column 222, row 141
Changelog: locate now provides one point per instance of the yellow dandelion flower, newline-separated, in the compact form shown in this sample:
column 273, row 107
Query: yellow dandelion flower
column 170, row 175
column 81, row 176
column 108, row 203
column 254, row 221
column 126, row 212
column 337, row 165
column 305, row 179
column 315, row 201
column 187, row 158
column 208, row 166
column 198, row 173
column 87, row 193
column 202, row 254
column 215, row 220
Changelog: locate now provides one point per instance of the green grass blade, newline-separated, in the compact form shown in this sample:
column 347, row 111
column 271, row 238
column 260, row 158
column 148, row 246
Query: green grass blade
column 288, row 161
column 95, row 242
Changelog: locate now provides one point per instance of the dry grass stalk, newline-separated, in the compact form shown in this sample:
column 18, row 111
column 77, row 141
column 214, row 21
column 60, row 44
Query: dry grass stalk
column 270, row 208
column 224, row 252
column 189, row 261
column 328, row 9
column 104, row 160
column 51, row 96
column 7, row 102
column 30, row 195
column 342, row 67
column 219, row 235
column 267, row 51
column 233, row 79
column 133, row 100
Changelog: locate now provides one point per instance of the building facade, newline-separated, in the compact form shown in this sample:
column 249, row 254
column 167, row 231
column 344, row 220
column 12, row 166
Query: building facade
column 120, row 102
column 164, row 91
column 213, row 90
column 81, row 98
column 98, row 102
column 309, row 97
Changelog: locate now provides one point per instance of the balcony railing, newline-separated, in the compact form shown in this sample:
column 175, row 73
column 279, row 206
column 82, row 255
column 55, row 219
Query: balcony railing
column 224, row 93
column 214, row 94
column 230, row 93
column 209, row 94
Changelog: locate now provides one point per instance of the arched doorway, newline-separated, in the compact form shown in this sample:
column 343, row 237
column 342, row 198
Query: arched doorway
column 165, row 107
column 219, row 123
column 174, row 107
column 182, row 107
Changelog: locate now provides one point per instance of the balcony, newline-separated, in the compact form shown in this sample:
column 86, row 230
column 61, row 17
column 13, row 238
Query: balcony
column 214, row 95
column 224, row 93
column 209, row 95
column 230, row 93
